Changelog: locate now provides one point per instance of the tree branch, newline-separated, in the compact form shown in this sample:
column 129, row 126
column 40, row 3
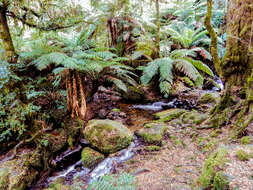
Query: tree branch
column 214, row 40
column 52, row 27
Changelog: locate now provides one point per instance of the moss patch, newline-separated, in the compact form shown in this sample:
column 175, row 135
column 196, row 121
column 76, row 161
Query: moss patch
column 243, row 156
column 152, row 133
column 213, row 164
column 170, row 114
column 90, row 157
column 246, row 140
column 152, row 148
column 107, row 135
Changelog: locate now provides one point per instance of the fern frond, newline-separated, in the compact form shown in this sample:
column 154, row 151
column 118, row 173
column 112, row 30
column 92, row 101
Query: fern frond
column 105, row 55
column 200, row 66
column 45, row 60
column 181, row 53
column 199, row 35
column 187, row 68
column 152, row 69
column 118, row 83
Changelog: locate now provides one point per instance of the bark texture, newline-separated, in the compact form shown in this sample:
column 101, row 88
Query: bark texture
column 5, row 35
column 237, row 68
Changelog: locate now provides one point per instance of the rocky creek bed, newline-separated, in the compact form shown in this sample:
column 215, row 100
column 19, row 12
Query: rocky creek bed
column 163, row 144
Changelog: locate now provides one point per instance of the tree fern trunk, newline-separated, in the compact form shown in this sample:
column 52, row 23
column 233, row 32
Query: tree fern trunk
column 83, row 99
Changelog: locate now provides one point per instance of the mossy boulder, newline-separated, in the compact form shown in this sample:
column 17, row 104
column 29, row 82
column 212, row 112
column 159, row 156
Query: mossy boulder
column 209, row 98
column 170, row 114
column 19, row 173
column 152, row 133
column 90, row 157
column 107, row 135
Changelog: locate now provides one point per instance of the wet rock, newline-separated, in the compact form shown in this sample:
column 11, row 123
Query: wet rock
column 19, row 173
column 102, row 113
column 90, row 157
column 170, row 114
column 152, row 133
column 107, row 135
column 116, row 114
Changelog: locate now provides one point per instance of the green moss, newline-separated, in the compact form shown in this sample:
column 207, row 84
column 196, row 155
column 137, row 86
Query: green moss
column 107, row 135
column 4, row 179
column 213, row 164
column 246, row 140
column 91, row 157
column 152, row 133
column 152, row 148
column 116, row 110
column 242, row 155
column 220, row 181
column 207, row 98
column 170, row 114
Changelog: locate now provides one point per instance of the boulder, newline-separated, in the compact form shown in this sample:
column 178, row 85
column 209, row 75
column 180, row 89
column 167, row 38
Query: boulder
column 152, row 133
column 209, row 98
column 170, row 114
column 19, row 173
column 108, row 136
column 90, row 157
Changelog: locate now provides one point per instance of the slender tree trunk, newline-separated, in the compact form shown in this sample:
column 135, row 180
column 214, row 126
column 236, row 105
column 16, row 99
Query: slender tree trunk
column 158, row 24
column 5, row 35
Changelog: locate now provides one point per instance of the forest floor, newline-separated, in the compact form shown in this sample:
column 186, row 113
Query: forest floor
column 179, row 163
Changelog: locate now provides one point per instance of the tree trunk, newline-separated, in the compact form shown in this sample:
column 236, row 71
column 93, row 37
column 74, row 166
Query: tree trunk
column 237, row 68
column 5, row 35
column 158, row 27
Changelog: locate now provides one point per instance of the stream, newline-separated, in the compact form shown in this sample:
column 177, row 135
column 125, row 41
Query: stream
column 68, row 165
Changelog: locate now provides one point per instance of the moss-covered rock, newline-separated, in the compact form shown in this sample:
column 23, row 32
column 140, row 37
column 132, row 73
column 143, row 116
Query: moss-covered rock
column 19, row 173
column 107, row 135
column 209, row 98
column 170, row 114
column 152, row 133
column 90, row 157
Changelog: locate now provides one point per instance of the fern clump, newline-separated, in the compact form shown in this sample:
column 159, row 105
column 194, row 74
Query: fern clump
column 179, row 60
